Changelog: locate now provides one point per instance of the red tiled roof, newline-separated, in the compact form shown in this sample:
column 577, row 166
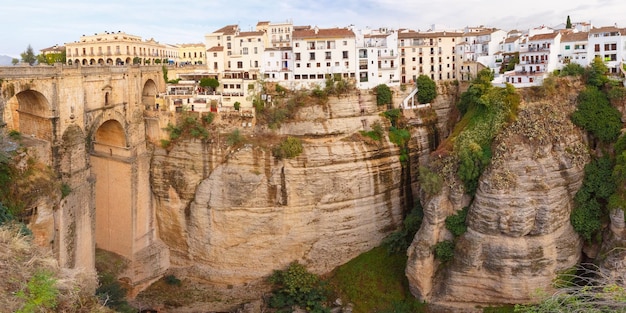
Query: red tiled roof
column 228, row 29
column 250, row 34
column 543, row 36
column 322, row 33
column 216, row 49
column 580, row 36
column 413, row 34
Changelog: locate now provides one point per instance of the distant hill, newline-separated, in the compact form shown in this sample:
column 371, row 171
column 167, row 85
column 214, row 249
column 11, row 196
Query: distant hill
column 5, row 60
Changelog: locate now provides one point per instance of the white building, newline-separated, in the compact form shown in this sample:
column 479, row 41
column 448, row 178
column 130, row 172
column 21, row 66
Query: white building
column 378, row 56
column 277, row 65
column 538, row 58
column 481, row 46
column 319, row 52
column 609, row 44
column 574, row 49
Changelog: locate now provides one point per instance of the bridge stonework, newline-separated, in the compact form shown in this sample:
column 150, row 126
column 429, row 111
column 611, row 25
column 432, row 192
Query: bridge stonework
column 87, row 124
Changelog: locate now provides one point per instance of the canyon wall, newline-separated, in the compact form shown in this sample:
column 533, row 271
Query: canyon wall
column 519, row 236
column 232, row 215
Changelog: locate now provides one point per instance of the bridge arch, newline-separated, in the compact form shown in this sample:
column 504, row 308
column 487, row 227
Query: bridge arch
column 148, row 94
column 30, row 113
column 112, row 165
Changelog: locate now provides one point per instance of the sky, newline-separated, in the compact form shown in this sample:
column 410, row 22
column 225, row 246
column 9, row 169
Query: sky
column 44, row 23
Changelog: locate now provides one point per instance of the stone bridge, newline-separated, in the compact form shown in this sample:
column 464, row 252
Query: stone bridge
column 87, row 124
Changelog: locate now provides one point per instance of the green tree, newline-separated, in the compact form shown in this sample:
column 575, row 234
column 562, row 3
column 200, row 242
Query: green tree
column 14, row 61
column 28, row 56
column 210, row 83
column 595, row 74
column 568, row 24
column 383, row 94
column 596, row 115
column 426, row 89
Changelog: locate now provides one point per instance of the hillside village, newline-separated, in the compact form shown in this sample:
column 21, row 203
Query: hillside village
column 303, row 56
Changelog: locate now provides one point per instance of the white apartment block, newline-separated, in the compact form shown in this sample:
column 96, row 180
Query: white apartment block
column 609, row 44
column 277, row 65
column 574, row 48
column 538, row 57
column 319, row 52
column 481, row 47
column 378, row 58
column 428, row 53
column 277, row 35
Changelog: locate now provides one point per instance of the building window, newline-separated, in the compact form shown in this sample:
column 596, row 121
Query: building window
column 345, row 54
column 297, row 56
column 318, row 64
column 245, row 51
column 566, row 47
column 239, row 64
column 327, row 55
column 596, row 48
column 345, row 42
column 308, row 65
column 311, row 55
column 327, row 64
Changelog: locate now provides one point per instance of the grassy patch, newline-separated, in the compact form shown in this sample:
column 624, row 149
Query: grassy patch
column 375, row 282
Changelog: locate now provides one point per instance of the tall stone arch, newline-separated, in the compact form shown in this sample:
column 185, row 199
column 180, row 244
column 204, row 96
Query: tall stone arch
column 148, row 94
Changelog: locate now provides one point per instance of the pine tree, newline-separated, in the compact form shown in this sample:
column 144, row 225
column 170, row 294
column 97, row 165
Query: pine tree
column 28, row 56
column 568, row 24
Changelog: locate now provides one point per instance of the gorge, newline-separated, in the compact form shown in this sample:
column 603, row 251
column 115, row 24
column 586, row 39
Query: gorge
column 226, row 210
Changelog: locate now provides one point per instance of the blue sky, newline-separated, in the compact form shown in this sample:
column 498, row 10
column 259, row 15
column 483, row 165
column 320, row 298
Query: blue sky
column 44, row 23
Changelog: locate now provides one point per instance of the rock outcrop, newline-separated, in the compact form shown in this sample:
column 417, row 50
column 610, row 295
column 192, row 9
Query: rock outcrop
column 231, row 217
column 519, row 235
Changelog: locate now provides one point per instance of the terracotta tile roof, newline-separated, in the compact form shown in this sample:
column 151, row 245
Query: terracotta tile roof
column 606, row 29
column 322, row 33
column 511, row 39
column 250, row 34
column 228, row 29
column 413, row 34
column 543, row 36
column 216, row 49
column 184, row 45
column 580, row 36
column 262, row 23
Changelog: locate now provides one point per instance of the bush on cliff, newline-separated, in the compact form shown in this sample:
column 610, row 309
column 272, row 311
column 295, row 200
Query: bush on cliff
column 591, row 199
column 289, row 148
column 296, row 286
column 596, row 115
column 383, row 94
column 426, row 89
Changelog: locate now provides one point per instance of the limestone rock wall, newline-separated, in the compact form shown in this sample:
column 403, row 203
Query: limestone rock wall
column 519, row 236
column 233, row 216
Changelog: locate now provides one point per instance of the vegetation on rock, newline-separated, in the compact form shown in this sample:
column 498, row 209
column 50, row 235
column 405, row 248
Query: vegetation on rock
column 383, row 94
column 426, row 89
column 295, row 286
column 289, row 148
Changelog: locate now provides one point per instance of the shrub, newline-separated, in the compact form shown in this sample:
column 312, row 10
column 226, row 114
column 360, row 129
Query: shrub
column 40, row 294
column 456, row 223
column 234, row 138
column 572, row 69
column 289, row 148
column 595, row 73
column 65, row 190
column 208, row 118
column 296, row 286
column 376, row 133
column 237, row 105
column 431, row 182
column 172, row 280
column 598, row 186
column 383, row 94
column 444, row 251
column 426, row 89
column 14, row 134
column 400, row 240
column 393, row 115
column 597, row 116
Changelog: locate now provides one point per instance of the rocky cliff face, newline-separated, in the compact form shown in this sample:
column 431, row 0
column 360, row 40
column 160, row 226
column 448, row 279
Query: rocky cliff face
column 519, row 236
column 233, row 216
